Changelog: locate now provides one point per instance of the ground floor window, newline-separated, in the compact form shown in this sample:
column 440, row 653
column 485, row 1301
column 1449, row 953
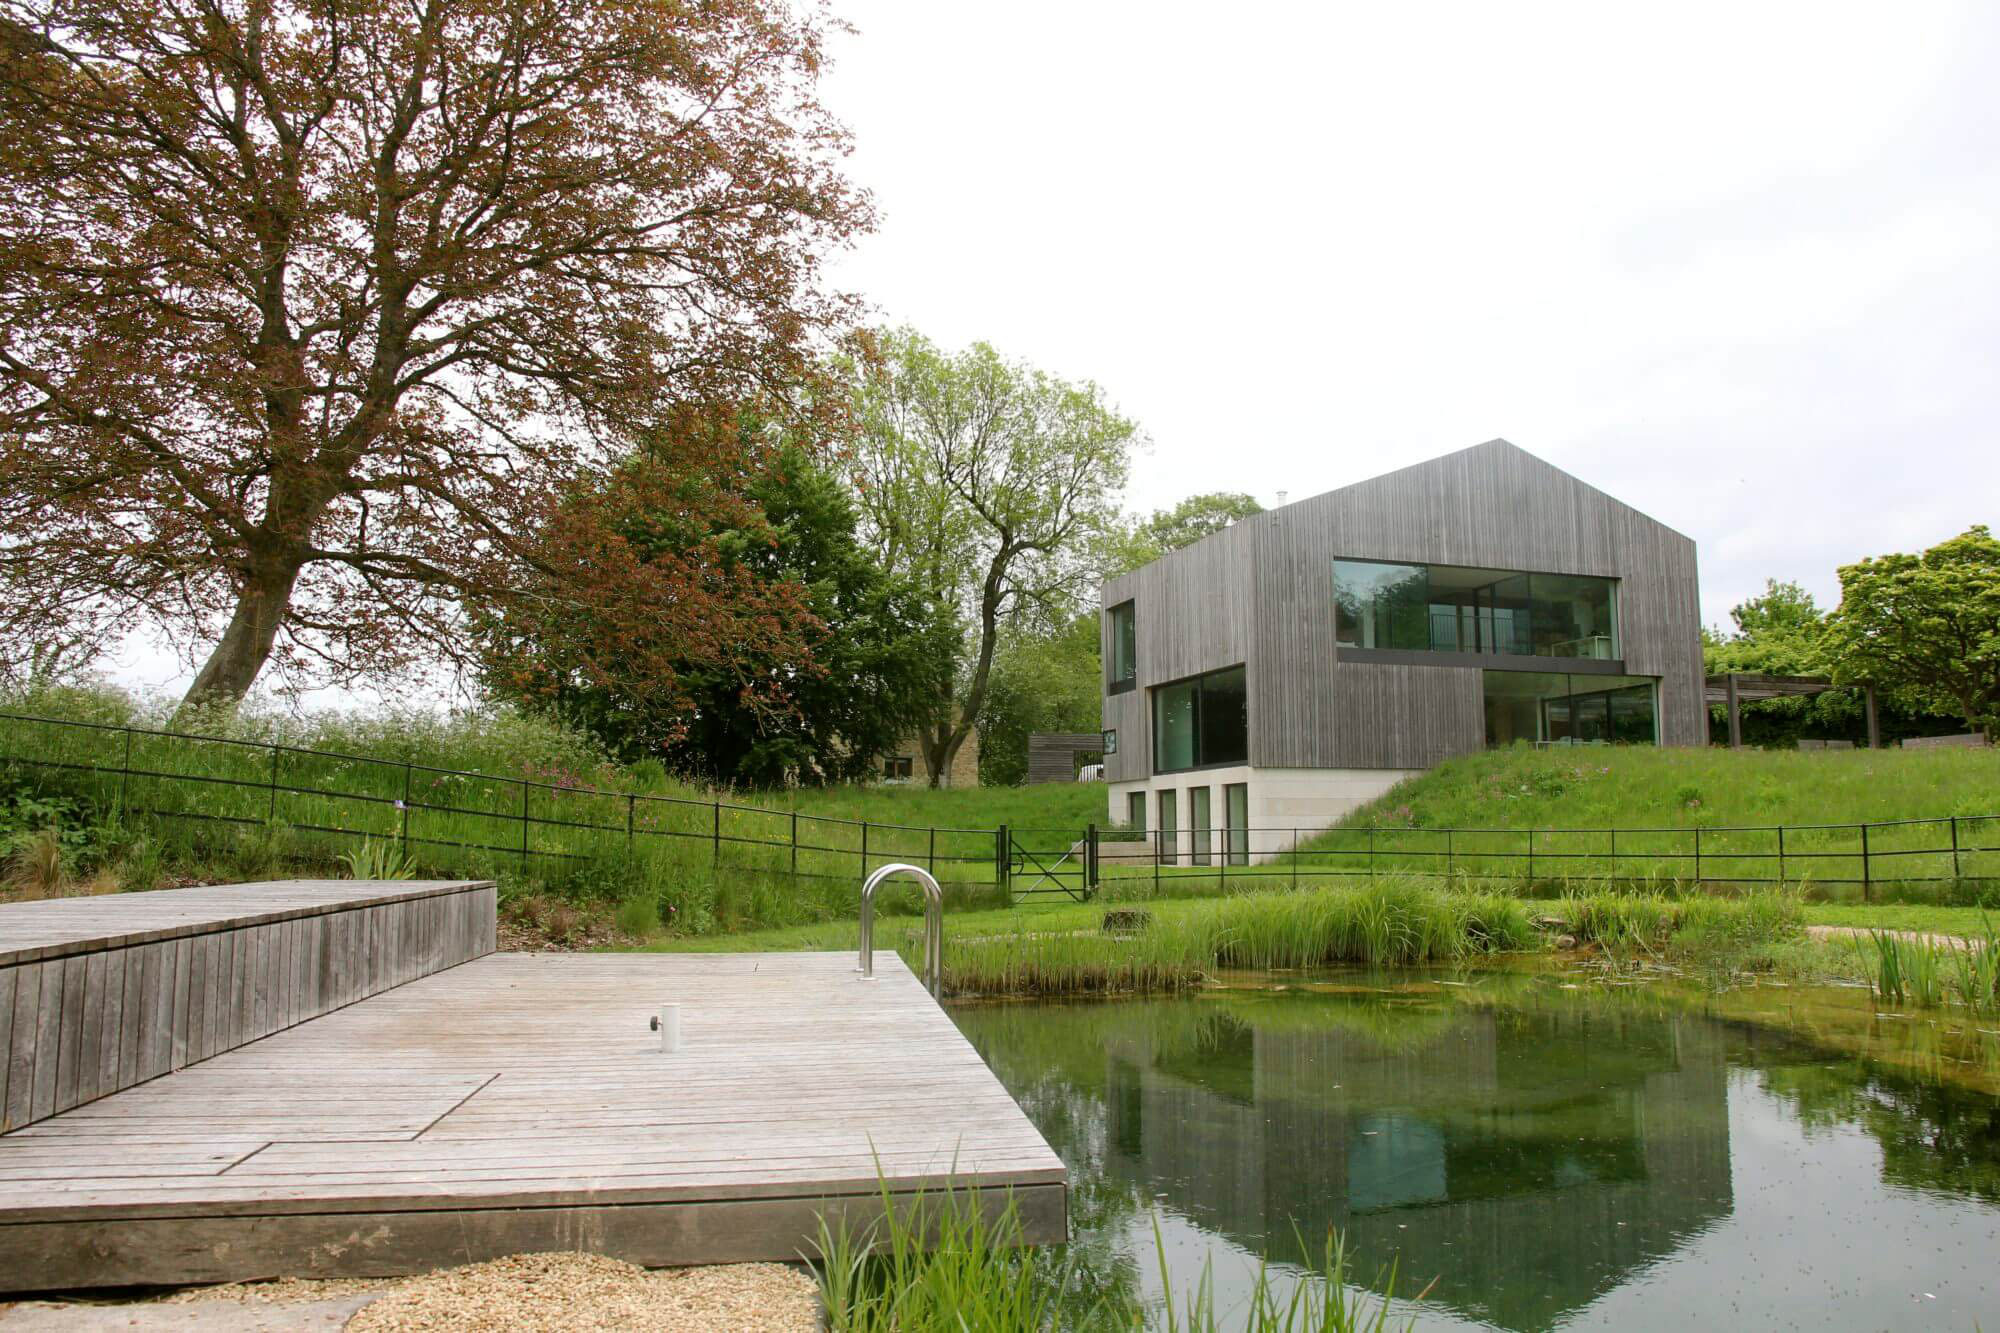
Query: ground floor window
column 1169, row 827
column 1135, row 810
column 899, row 767
column 1554, row 708
column 1236, row 822
column 1199, row 823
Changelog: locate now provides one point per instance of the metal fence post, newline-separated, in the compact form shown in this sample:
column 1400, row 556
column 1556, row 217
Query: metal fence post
column 1001, row 838
column 1697, row 856
column 795, row 847
column 1295, row 860
column 1954, row 849
column 930, row 859
column 408, row 774
column 1781, row 854
column 631, row 811
column 524, row 827
column 1371, row 851
column 271, row 816
column 1090, row 863
column 125, row 772
column 1448, row 860
column 864, row 847
column 1867, row 873
column 1613, row 876
column 1531, row 857
column 715, row 834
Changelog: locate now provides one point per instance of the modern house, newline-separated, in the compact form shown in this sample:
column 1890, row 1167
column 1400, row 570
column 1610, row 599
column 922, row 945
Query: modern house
column 1270, row 678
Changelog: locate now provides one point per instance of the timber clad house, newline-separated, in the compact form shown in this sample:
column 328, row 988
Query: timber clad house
column 1268, row 679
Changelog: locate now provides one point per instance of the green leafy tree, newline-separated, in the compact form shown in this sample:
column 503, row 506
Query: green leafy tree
column 1926, row 628
column 865, row 647
column 1167, row 530
column 991, row 484
column 1041, row 682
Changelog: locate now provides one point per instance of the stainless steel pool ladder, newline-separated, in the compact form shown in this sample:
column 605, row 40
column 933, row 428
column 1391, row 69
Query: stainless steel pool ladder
column 933, row 922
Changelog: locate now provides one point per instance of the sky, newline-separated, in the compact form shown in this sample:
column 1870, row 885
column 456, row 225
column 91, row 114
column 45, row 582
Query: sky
column 1734, row 264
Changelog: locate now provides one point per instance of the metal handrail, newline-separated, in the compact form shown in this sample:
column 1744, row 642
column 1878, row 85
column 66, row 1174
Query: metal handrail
column 933, row 922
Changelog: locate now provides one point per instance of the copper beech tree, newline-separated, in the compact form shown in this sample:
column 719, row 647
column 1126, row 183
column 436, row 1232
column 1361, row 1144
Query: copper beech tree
column 311, row 312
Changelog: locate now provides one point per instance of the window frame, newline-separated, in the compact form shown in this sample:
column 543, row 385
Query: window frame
column 1459, row 654
column 1115, row 637
column 1195, row 722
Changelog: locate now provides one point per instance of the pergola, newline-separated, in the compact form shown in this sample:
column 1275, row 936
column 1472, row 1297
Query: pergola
column 1737, row 688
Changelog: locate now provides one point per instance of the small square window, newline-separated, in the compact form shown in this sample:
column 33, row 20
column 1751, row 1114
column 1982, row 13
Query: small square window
column 899, row 768
column 1111, row 741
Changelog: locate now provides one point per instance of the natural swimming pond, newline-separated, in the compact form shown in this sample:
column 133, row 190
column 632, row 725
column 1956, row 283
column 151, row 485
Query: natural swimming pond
column 1537, row 1149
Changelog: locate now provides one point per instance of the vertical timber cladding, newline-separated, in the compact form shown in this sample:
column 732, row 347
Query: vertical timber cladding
column 1261, row 593
column 187, row 974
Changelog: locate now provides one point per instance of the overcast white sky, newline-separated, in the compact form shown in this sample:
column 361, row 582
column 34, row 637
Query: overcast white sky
column 1734, row 264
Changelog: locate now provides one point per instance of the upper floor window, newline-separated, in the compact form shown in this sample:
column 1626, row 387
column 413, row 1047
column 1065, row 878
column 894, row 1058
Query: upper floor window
column 1123, row 665
column 1449, row 609
column 1201, row 722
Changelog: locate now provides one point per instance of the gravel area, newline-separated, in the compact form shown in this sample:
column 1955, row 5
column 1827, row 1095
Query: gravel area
column 549, row 1293
column 531, row 1293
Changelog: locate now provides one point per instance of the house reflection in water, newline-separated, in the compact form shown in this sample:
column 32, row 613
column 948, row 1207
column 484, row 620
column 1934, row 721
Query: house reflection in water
column 1528, row 1159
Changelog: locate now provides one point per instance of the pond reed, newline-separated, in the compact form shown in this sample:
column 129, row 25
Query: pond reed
column 1930, row 972
column 1386, row 922
column 940, row 1264
column 1651, row 923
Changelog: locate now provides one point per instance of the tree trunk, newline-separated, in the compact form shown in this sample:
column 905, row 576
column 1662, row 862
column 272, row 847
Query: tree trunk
column 246, row 644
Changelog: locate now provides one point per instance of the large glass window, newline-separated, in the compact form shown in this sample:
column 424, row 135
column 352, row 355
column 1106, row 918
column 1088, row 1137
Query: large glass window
column 1123, row 667
column 1452, row 609
column 1555, row 708
column 1201, row 721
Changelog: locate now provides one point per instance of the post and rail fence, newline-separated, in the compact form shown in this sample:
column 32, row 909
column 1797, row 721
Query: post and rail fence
column 432, row 813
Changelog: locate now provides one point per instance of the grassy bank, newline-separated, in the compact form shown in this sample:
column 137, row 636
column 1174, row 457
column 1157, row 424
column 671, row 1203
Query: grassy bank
column 491, row 795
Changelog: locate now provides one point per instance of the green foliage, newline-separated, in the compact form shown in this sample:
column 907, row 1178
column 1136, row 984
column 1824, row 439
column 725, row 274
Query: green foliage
column 1168, row 530
column 1930, row 972
column 940, row 1264
column 1926, row 628
column 378, row 860
column 1697, row 926
column 880, row 648
column 1041, row 682
column 991, row 484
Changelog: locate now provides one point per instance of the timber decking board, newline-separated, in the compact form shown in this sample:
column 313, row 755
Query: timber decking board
column 57, row 927
column 519, row 1100
column 102, row 993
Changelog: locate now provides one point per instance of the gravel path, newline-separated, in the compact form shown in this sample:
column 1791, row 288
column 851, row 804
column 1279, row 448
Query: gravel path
column 1863, row 932
column 532, row 1293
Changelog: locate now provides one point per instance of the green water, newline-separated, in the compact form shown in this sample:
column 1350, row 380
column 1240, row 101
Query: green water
column 1531, row 1151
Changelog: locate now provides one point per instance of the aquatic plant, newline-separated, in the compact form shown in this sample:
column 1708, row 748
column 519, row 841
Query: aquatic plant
column 941, row 1264
column 1929, row 972
column 1697, row 926
column 1389, row 921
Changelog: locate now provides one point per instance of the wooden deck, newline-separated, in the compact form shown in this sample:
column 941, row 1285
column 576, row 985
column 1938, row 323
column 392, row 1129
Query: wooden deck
column 518, row 1103
column 103, row 993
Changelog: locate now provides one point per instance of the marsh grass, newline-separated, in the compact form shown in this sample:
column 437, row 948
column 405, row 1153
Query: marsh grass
column 1930, row 973
column 940, row 1264
column 1713, row 929
column 1387, row 922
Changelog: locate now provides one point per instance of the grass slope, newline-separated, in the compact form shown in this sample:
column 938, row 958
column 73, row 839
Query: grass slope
column 1644, row 787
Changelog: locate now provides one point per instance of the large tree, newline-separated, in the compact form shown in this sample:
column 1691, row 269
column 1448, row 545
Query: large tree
column 993, row 484
column 309, row 309
column 822, row 675
column 1926, row 627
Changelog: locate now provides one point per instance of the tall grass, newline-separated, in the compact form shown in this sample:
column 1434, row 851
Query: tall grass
column 1930, row 973
column 1628, row 924
column 1390, row 921
column 941, row 1264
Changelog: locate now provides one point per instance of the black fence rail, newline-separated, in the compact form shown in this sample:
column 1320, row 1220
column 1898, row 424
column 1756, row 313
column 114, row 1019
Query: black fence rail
column 1946, row 849
column 480, row 818
column 484, row 821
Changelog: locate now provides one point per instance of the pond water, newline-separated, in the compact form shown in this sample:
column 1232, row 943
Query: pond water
column 1536, row 1149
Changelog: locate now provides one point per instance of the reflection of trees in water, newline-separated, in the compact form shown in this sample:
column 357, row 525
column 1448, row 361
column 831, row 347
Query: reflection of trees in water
column 1933, row 1136
column 1530, row 1147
